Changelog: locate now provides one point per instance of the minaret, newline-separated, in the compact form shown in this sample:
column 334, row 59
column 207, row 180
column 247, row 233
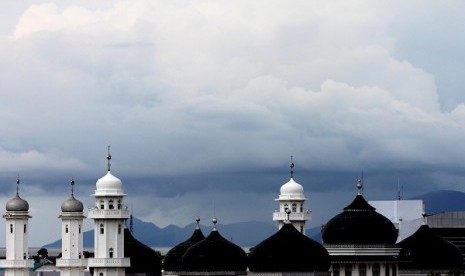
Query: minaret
column 17, row 262
column 109, row 215
column 292, row 198
column 72, row 262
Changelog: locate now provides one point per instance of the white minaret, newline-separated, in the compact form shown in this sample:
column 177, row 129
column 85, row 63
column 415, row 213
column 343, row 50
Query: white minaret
column 72, row 262
column 292, row 198
column 17, row 262
column 109, row 215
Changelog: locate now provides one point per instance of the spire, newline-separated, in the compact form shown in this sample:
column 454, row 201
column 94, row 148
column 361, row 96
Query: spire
column 288, row 213
column 360, row 187
column 215, row 221
column 292, row 166
column 197, row 220
column 17, row 186
column 109, row 158
column 72, row 187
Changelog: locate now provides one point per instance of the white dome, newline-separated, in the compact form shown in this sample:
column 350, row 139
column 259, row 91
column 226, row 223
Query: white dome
column 109, row 185
column 292, row 190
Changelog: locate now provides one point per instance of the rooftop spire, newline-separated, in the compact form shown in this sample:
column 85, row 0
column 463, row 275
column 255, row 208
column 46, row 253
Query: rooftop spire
column 109, row 158
column 215, row 221
column 292, row 166
column 72, row 187
column 17, row 185
column 197, row 220
column 360, row 187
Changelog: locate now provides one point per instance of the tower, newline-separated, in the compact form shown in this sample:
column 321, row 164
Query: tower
column 292, row 198
column 72, row 262
column 17, row 262
column 109, row 215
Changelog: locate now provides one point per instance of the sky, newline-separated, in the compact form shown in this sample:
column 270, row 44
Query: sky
column 204, row 102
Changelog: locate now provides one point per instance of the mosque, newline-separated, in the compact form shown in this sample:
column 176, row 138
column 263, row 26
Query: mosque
column 357, row 242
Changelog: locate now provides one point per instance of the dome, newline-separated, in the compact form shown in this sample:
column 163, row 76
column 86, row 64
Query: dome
column 72, row 205
column 17, row 204
column 426, row 250
column 215, row 253
column 143, row 258
column 288, row 250
column 359, row 223
column 173, row 259
column 292, row 190
column 109, row 182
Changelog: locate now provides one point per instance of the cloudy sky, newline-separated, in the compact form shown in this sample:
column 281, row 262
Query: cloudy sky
column 204, row 102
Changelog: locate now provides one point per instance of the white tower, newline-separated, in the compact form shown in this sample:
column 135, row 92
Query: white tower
column 109, row 215
column 17, row 262
column 72, row 262
column 292, row 198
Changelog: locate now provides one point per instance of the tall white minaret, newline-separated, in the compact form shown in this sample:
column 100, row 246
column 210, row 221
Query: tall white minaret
column 72, row 262
column 292, row 198
column 17, row 262
column 109, row 215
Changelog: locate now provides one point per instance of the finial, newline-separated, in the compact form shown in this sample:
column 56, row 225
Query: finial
column 197, row 220
column 215, row 221
column 359, row 186
column 109, row 158
column 292, row 166
column 425, row 218
column 17, row 185
column 72, row 187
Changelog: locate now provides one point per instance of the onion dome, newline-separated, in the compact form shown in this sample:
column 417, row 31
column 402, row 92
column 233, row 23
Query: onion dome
column 109, row 182
column 72, row 204
column 291, row 189
column 173, row 259
column 17, row 203
column 144, row 260
column 215, row 253
column 288, row 250
column 427, row 251
column 359, row 223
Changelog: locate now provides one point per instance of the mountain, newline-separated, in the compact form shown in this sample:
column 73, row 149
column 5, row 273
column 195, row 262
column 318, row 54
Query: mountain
column 443, row 201
column 241, row 233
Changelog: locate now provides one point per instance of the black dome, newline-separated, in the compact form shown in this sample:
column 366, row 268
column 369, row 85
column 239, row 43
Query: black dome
column 215, row 253
column 173, row 259
column 359, row 223
column 288, row 250
column 426, row 250
column 143, row 258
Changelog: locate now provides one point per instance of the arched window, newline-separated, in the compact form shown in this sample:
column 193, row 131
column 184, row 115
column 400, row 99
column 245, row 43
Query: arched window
column 24, row 256
column 336, row 270
column 394, row 270
column 119, row 228
column 301, row 208
column 285, row 207
column 25, row 228
column 11, row 228
column 386, row 270
column 119, row 204
column 66, row 228
column 102, row 204
column 102, row 231
column 294, row 208
column 110, row 205
column 100, row 274
column 110, row 252
column 348, row 270
column 79, row 229
column 362, row 269
column 376, row 270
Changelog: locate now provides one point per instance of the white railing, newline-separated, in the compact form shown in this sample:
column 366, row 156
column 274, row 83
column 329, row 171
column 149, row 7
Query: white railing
column 109, row 262
column 98, row 213
column 71, row 262
column 16, row 263
column 292, row 216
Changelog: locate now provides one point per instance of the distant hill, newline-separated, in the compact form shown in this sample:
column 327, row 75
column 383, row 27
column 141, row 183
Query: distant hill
column 443, row 201
column 241, row 233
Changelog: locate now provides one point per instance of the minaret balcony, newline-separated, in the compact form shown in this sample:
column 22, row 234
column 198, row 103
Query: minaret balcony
column 109, row 262
column 16, row 263
column 281, row 216
column 108, row 214
column 71, row 262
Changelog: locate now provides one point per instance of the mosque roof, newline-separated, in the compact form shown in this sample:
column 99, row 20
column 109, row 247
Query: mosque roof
column 288, row 250
column 426, row 250
column 215, row 253
column 359, row 223
column 173, row 259
column 143, row 258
